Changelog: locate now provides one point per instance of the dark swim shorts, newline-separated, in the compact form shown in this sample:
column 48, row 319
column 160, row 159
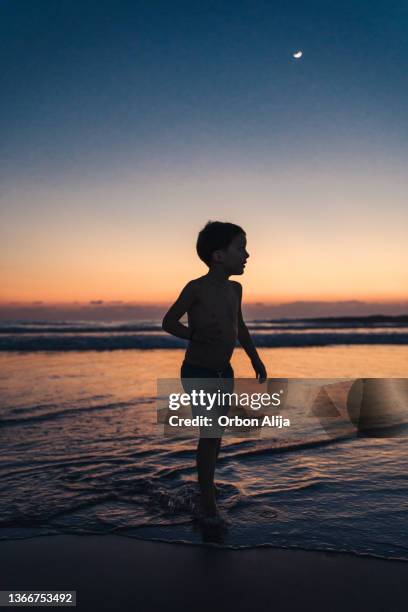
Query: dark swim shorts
column 210, row 381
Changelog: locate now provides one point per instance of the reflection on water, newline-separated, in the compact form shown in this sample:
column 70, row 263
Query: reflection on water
column 81, row 454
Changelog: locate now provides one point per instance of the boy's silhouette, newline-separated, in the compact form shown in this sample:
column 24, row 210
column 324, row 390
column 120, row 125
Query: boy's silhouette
column 213, row 306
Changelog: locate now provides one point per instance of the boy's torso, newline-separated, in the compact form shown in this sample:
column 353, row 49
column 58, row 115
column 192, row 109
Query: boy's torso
column 214, row 304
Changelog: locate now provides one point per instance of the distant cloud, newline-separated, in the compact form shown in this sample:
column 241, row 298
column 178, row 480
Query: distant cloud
column 97, row 310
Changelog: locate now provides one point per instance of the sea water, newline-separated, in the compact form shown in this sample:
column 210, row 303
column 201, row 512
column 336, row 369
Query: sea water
column 81, row 453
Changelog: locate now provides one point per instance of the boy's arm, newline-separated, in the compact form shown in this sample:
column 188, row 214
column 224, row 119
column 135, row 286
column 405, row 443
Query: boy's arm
column 246, row 342
column 171, row 321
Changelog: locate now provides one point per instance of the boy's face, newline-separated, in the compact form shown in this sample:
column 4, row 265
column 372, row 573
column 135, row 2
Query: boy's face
column 234, row 256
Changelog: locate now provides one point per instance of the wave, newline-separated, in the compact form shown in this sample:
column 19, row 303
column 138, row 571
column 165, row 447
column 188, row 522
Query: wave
column 346, row 321
column 110, row 342
column 57, row 413
column 88, row 327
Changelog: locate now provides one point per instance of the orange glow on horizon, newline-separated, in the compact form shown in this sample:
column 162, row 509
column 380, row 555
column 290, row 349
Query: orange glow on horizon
column 132, row 239
column 166, row 300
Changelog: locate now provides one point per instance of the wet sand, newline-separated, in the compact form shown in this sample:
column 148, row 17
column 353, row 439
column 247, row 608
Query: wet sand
column 118, row 573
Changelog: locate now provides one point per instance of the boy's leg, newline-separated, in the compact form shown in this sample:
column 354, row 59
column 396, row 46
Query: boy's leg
column 208, row 448
column 207, row 452
column 228, row 387
column 218, row 447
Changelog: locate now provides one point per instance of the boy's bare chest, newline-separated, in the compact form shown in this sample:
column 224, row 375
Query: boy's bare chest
column 217, row 303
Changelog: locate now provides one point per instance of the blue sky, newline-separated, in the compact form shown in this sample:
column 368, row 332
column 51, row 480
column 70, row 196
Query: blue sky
column 156, row 116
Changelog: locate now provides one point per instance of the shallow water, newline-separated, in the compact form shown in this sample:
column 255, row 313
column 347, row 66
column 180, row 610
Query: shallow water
column 81, row 453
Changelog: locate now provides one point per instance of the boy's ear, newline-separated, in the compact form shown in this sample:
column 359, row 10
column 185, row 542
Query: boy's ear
column 218, row 256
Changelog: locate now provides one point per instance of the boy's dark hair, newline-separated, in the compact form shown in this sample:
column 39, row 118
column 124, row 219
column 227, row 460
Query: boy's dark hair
column 214, row 236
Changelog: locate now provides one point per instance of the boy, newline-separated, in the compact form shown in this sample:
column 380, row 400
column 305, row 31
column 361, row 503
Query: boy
column 213, row 306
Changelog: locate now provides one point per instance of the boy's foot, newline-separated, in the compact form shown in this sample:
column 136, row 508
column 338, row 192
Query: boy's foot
column 216, row 520
column 208, row 504
column 208, row 513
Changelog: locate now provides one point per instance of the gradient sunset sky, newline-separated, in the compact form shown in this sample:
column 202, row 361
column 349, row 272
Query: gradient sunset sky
column 126, row 126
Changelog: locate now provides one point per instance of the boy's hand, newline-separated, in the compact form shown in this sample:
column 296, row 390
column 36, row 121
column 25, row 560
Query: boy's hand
column 260, row 369
column 209, row 334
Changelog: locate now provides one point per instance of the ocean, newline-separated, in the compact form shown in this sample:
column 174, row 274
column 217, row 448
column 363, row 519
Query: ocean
column 81, row 452
column 111, row 335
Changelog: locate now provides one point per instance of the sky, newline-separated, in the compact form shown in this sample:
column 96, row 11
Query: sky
column 126, row 126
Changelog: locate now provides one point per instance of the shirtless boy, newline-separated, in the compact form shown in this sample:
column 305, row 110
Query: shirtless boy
column 213, row 306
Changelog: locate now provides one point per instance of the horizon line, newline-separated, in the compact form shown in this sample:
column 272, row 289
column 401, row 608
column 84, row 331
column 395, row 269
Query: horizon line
column 249, row 302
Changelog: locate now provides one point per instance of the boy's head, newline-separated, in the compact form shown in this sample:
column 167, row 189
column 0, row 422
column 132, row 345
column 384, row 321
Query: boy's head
column 223, row 244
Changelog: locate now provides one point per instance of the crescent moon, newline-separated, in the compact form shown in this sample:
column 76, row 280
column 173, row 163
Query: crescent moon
column 298, row 54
